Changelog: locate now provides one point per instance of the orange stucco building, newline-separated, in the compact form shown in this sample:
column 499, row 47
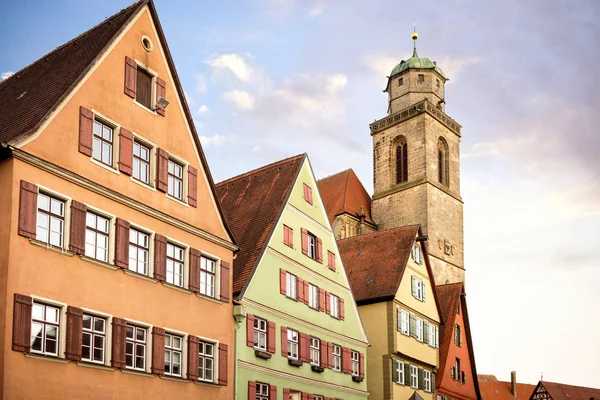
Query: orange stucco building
column 115, row 275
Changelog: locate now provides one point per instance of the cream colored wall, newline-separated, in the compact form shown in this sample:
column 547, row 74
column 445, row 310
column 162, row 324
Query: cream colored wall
column 374, row 317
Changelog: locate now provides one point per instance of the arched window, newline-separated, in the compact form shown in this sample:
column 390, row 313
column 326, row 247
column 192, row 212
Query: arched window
column 401, row 160
column 443, row 169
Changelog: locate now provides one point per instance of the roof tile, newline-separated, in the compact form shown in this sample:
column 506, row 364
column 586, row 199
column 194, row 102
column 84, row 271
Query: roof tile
column 344, row 193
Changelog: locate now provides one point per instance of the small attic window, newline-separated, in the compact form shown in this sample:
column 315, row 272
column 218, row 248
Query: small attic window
column 400, row 81
column 147, row 43
column 421, row 78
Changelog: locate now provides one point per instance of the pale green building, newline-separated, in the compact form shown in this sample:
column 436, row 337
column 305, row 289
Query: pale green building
column 298, row 333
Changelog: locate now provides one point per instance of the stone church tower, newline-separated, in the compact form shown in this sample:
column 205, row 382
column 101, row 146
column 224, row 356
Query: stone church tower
column 416, row 164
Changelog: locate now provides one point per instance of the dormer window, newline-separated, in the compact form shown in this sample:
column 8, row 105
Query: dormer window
column 421, row 78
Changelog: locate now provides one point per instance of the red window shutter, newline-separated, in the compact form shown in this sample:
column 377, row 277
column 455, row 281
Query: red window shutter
column 161, row 90
column 195, row 270
column 77, row 237
column 250, row 330
column 341, row 309
column 74, row 329
column 22, row 323
column 282, row 281
column 346, row 363
column 308, row 193
column 251, row 390
column 162, row 164
column 271, row 337
column 361, row 366
column 225, row 281
column 122, row 243
column 300, row 289
column 119, row 327
column 272, row 392
column 223, row 359
column 288, row 236
column 130, row 74
column 319, row 250
column 328, row 303
column 284, row 343
column 125, row 151
column 286, row 394
column 28, row 210
column 305, row 292
column 158, row 350
column 330, row 260
column 86, row 129
column 324, row 360
column 304, row 396
column 321, row 299
column 160, row 257
column 304, row 347
column 304, row 241
column 311, row 396
column 193, row 349
column 192, row 186
column 329, row 355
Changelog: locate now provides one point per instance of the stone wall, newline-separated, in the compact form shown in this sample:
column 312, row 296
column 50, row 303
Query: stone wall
column 412, row 91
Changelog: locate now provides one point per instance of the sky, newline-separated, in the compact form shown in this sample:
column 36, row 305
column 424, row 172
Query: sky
column 268, row 79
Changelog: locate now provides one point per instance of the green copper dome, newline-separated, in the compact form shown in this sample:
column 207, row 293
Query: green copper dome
column 417, row 62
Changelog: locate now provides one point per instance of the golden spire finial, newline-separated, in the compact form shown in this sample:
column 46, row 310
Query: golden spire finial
column 415, row 36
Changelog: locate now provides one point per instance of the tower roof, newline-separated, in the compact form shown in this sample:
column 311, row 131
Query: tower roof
column 344, row 193
column 416, row 62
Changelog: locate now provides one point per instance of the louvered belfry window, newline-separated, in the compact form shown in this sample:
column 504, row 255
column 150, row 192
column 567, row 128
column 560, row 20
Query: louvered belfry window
column 402, row 162
column 143, row 93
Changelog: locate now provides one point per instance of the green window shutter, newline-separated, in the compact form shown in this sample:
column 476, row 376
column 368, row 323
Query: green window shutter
column 398, row 314
column 426, row 332
column 423, row 289
column 413, row 326
column 407, row 374
column 421, row 380
column 395, row 370
column 413, row 285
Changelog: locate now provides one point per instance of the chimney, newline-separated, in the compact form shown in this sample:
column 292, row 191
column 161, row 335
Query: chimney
column 513, row 383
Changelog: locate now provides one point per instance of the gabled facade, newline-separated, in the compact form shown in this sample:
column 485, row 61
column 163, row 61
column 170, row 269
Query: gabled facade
column 394, row 288
column 457, row 374
column 493, row 389
column 115, row 269
column 298, row 333
column 559, row 391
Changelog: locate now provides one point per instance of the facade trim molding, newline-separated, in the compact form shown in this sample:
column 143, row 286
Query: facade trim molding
column 408, row 185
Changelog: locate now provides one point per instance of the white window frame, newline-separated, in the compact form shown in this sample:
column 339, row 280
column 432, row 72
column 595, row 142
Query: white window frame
column 334, row 305
column 418, row 288
column 312, row 246
column 427, row 380
column 262, row 391
column 108, row 327
column 292, row 344
column 172, row 350
column 419, row 327
column 355, row 362
column 116, row 142
column 205, row 356
column 172, row 177
column 417, row 254
column 404, row 322
column 414, row 376
column 313, row 296
column 400, row 371
column 170, row 278
column 336, row 358
column 136, row 246
column 205, row 274
column 110, row 234
column 65, row 202
column 315, row 351
column 146, row 343
column 93, row 333
column 44, row 322
column 97, row 119
column 432, row 335
column 260, row 334
column 291, row 285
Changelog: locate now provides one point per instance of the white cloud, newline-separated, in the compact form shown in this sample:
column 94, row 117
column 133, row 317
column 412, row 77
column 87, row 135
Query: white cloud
column 235, row 63
column 255, row 149
column 200, row 83
column 453, row 67
column 202, row 109
column 242, row 99
column 381, row 64
column 5, row 75
column 335, row 83
column 214, row 140
column 316, row 10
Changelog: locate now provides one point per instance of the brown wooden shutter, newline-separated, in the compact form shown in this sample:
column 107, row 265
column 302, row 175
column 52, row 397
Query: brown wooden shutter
column 77, row 236
column 193, row 349
column 328, row 303
column 321, row 299
column 346, row 362
column 272, row 392
column 331, row 260
column 361, row 366
column 304, row 396
column 162, row 165
column 271, row 337
column 319, row 250
column 192, row 186
column 323, row 351
column 223, row 364
column 251, row 390
column 160, row 257
column 158, row 350
column 300, row 289
column 161, row 90
column 130, row 73
column 284, row 343
column 341, row 308
column 305, row 292
column 22, row 323
column 286, row 394
column 250, row 330
column 304, row 241
column 282, row 281
column 28, row 210
column 125, row 151
column 195, row 270
column 225, row 281
column 86, row 131
column 74, row 329
column 329, row 355
column 119, row 327
column 304, row 347
column 122, row 243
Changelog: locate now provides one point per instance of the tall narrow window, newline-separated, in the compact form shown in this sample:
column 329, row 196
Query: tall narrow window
column 206, row 361
column 313, row 296
column 290, row 285
column 173, row 351
column 292, row 339
column 336, row 358
column 50, row 220
column 312, row 243
column 262, row 391
column 175, row 180
column 96, row 237
column 443, row 168
column 103, row 143
column 315, row 352
column 260, row 334
column 175, row 264
column 334, row 306
column 44, row 329
column 141, row 162
column 414, row 376
column 138, row 251
column 143, row 93
column 207, row 276
column 135, row 347
column 401, row 161
column 355, row 360
column 93, row 339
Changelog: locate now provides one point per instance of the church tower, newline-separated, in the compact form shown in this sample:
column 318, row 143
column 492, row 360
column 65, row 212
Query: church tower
column 416, row 164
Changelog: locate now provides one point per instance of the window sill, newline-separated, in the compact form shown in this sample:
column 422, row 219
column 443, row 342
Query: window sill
column 357, row 378
column 206, row 383
column 138, row 373
column 100, row 263
column 106, row 167
column 317, row 368
column 179, row 288
column 143, row 184
column 295, row 362
column 144, row 107
column 205, row 297
column 59, row 250
column 176, row 200
column 140, row 276
column 102, row 367
column 262, row 354
column 46, row 358
column 291, row 298
column 173, row 378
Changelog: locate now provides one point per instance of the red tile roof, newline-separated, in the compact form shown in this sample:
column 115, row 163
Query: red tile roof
column 344, row 193
column 560, row 391
column 493, row 389
column 252, row 203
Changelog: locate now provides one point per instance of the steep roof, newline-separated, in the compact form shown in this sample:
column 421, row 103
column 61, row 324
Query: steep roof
column 493, row 389
column 560, row 391
column 252, row 203
column 344, row 193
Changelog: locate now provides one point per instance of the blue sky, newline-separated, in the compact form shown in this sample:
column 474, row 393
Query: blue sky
column 267, row 79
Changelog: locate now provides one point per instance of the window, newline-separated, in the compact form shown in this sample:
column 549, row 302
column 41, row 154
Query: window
column 317, row 397
column 288, row 236
column 417, row 253
column 418, row 288
column 175, row 256
column 173, row 354
column 457, row 368
column 334, row 306
column 313, row 296
column 135, row 347
column 93, row 339
column 401, row 160
column 207, row 276
column 308, row 194
column 206, row 361
column 103, row 143
column 141, row 162
column 262, row 391
column 315, row 352
column 443, row 167
column 290, row 285
column 336, row 358
column 292, row 339
column 420, row 78
column 143, row 93
column 138, row 251
column 404, row 322
column 50, row 220
column 260, row 334
column 437, row 82
column 400, row 81
column 419, row 325
column 427, row 380
column 355, row 360
column 45, row 327
column 400, row 371
column 414, row 376
column 96, row 237
column 175, row 180
column 457, row 335
column 312, row 244
column 432, row 335
column 463, row 378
